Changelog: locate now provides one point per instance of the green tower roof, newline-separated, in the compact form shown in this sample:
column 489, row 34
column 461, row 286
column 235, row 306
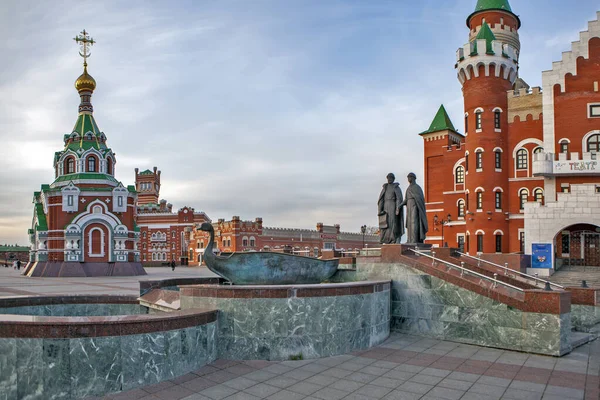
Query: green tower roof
column 441, row 122
column 485, row 33
column 491, row 5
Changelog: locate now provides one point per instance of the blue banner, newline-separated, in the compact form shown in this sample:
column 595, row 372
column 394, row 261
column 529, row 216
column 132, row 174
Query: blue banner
column 542, row 255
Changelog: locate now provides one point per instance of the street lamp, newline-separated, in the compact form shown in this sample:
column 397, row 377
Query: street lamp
column 363, row 229
column 447, row 221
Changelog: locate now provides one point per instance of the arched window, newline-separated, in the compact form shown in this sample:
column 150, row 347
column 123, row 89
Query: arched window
column 497, row 119
column 538, row 150
column 479, row 159
column 498, row 159
column 70, row 165
column 478, row 119
column 245, row 241
column 523, row 197
column 252, row 241
column 480, row 243
column 144, row 246
column 498, row 200
column 109, row 166
column 522, row 159
column 593, row 143
column 564, row 146
column 460, row 174
column 538, row 195
column 461, row 208
column 479, row 200
column 466, row 123
column 498, row 243
column 91, row 164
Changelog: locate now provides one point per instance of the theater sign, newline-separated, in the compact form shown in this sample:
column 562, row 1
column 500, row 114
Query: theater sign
column 575, row 167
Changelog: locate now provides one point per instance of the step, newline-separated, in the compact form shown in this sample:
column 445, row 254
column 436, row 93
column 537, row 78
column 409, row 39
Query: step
column 161, row 300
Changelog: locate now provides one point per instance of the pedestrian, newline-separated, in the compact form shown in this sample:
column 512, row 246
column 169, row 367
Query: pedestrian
column 19, row 265
column 173, row 265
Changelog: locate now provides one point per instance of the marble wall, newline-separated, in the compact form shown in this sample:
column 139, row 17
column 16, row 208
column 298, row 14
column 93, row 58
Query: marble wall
column 425, row 305
column 297, row 327
column 584, row 317
column 76, row 310
column 75, row 368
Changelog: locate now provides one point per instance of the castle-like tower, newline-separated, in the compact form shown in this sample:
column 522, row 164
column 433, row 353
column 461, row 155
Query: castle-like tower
column 147, row 184
column 487, row 68
column 84, row 221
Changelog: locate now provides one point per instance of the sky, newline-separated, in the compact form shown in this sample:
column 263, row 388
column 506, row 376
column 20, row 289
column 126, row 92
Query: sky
column 289, row 110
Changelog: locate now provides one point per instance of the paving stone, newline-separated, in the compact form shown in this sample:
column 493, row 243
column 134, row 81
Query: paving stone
column 373, row 391
column 322, row 380
column 427, row 379
column 173, row 393
column 286, row 395
column 242, row 396
column 330, row 393
column 402, row 395
column 517, row 394
column 489, row 390
column 262, row 390
column 305, row 388
column 463, row 376
column 351, row 366
column 387, row 382
column 360, row 377
column 281, row 382
column 565, row 392
column 436, row 372
column 491, row 380
column 218, row 392
column 529, row 386
column 454, row 384
column 260, row 376
column 445, row 393
column 277, row 369
column 337, row 372
column 240, row 383
column 346, row 385
column 415, row 387
column 400, row 375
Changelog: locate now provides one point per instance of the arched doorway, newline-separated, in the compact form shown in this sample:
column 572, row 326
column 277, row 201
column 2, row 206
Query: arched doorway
column 578, row 245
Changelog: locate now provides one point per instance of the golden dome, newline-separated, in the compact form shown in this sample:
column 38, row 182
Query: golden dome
column 85, row 81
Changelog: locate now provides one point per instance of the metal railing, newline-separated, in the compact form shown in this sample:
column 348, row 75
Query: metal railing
column 507, row 270
column 464, row 270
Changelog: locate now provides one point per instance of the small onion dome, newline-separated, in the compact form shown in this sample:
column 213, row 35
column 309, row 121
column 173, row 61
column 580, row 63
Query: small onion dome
column 85, row 81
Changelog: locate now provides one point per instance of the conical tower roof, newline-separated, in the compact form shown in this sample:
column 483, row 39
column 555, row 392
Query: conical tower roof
column 441, row 122
column 493, row 5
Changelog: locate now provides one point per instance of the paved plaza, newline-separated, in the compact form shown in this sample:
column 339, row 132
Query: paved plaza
column 403, row 368
column 13, row 284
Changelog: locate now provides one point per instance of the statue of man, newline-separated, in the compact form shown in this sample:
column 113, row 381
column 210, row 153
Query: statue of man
column 416, row 217
column 391, row 221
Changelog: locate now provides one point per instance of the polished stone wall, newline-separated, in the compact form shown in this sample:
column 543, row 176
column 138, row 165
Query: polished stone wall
column 297, row 327
column 584, row 317
column 75, row 368
column 76, row 310
column 426, row 305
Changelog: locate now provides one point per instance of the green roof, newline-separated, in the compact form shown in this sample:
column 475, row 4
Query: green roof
column 13, row 248
column 441, row 122
column 41, row 217
column 491, row 5
column 86, row 123
column 484, row 33
column 131, row 189
column 146, row 172
column 87, row 175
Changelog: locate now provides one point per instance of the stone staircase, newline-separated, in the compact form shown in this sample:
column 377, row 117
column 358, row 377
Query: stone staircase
column 572, row 276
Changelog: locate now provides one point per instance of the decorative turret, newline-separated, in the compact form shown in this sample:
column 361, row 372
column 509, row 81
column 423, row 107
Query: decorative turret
column 85, row 155
column 487, row 68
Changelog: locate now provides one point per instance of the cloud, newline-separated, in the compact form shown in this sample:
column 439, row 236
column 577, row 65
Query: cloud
column 293, row 111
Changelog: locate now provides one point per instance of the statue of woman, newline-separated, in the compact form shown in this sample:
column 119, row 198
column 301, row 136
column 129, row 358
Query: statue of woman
column 391, row 227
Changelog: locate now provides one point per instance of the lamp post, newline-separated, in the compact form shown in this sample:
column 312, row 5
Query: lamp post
column 363, row 229
column 436, row 221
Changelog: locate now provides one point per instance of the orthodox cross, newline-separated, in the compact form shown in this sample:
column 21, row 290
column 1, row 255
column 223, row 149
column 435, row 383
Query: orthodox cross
column 84, row 42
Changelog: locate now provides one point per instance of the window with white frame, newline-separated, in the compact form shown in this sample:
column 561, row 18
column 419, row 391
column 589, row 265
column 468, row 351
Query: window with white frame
column 523, row 197
column 498, row 200
column 479, row 159
column 479, row 200
column 564, row 146
column 460, row 174
column 538, row 195
column 461, row 208
column 252, row 241
column 593, row 143
column 497, row 119
column 478, row 120
column 522, row 159
column 594, row 111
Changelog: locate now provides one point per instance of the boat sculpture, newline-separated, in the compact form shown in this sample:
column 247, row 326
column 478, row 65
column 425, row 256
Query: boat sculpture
column 265, row 267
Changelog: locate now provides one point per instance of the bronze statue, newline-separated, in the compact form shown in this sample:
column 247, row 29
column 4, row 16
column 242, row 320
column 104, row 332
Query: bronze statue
column 391, row 221
column 416, row 217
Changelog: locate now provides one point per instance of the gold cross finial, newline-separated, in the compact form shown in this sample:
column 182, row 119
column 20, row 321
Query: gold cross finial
column 84, row 42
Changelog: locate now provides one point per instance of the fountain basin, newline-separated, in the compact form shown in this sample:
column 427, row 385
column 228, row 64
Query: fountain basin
column 45, row 357
column 281, row 322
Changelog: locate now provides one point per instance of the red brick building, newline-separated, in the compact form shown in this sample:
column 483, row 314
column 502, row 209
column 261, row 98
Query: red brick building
column 239, row 235
column 84, row 221
column 164, row 234
column 522, row 148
